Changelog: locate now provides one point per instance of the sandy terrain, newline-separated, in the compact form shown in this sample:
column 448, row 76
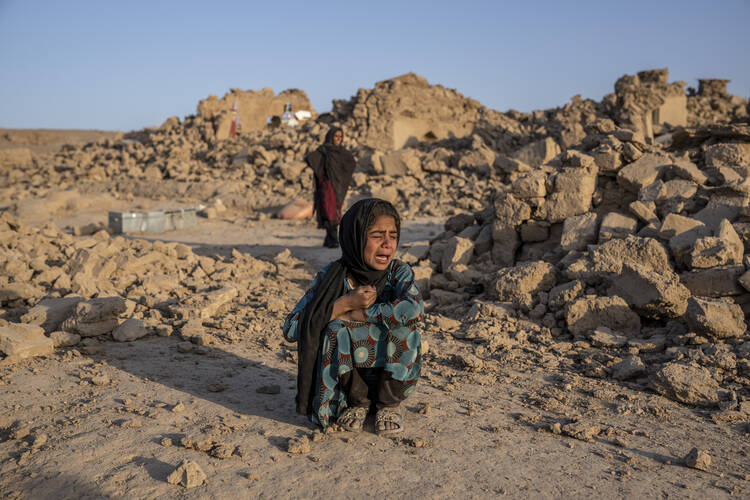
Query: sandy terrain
column 109, row 423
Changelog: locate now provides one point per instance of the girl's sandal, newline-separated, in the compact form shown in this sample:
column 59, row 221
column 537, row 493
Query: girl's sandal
column 389, row 415
column 355, row 416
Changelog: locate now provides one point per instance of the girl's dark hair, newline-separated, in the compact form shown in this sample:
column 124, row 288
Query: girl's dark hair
column 382, row 207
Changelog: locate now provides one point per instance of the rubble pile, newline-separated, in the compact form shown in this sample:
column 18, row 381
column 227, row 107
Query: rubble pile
column 59, row 291
column 712, row 104
column 637, row 255
column 416, row 144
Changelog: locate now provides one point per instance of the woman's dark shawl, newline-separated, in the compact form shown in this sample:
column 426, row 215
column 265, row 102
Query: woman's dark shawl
column 334, row 162
column 315, row 317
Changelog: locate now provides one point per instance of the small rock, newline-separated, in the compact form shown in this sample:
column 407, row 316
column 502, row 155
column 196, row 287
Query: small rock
column 185, row 347
column 217, row 388
column 166, row 442
column 130, row 329
column 425, row 409
column 188, row 474
column 581, row 430
column 298, row 445
column 269, row 389
column 222, row 451
column 178, row 408
column 698, row 459
column 100, row 380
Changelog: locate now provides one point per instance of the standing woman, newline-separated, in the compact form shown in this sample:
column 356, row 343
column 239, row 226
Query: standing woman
column 358, row 327
column 333, row 166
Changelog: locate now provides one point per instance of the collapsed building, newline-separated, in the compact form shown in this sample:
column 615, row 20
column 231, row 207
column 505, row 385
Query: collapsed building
column 612, row 235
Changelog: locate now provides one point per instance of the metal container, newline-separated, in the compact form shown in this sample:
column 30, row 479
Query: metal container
column 154, row 221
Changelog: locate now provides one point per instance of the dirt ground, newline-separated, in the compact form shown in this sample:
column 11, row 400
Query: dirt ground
column 112, row 419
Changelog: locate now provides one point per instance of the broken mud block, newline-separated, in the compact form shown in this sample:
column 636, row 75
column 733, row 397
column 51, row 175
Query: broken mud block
column 652, row 294
column 579, row 231
column 457, row 251
column 616, row 225
column 95, row 317
column 129, row 330
column 571, row 195
column 505, row 243
column 19, row 341
column 50, row 313
column 687, row 384
column 629, row 368
column 519, row 284
column 698, row 459
column 642, row 172
column 714, row 282
column 589, row 313
column 187, row 474
column 715, row 317
column 205, row 305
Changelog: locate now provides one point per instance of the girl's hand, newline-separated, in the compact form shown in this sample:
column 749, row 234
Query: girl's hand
column 362, row 297
column 354, row 315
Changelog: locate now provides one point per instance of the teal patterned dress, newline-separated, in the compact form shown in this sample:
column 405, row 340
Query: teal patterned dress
column 389, row 337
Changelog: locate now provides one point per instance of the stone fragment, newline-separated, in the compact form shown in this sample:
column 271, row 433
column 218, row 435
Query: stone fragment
column 50, row 313
column 130, row 329
column 19, row 291
column 688, row 170
column 616, row 225
column 698, row 459
column 459, row 222
column 744, row 280
column 604, row 337
column 518, row 284
column 510, row 211
column 642, row 172
column 188, row 474
column 298, row 445
column 585, row 431
column 589, row 313
column 714, row 282
column 644, row 212
column 457, row 251
column 656, row 295
column 269, row 389
column 64, row 339
column 715, row 317
column 579, row 231
column 534, row 231
column 531, row 185
column 571, row 195
column 505, row 243
column 20, row 341
column 205, row 305
column 629, row 368
column 538, row 153
column 400, row 163
column 562, row 294
column 687, row 384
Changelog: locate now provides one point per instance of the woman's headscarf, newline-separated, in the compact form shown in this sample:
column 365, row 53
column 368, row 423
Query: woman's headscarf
column 315, row 317
column 334, row 162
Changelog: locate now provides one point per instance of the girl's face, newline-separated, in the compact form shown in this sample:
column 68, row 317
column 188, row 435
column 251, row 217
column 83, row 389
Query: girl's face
column 338, row 137
column 382, row 240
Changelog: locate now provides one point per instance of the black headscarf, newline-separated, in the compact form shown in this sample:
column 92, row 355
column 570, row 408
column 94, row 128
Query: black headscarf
column 315, row 317
column 334, row 162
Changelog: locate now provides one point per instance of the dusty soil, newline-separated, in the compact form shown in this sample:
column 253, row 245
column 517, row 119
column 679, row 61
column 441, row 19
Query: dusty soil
column 42, row 141
column 108, row 419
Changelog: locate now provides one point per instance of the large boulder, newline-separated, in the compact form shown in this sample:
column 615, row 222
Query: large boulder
column 579, row 231
column 50, row 313
column 642, row 172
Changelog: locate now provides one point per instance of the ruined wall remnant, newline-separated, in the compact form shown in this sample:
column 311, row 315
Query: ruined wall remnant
column 646, row 102
column 255, row 106
column 406, row 110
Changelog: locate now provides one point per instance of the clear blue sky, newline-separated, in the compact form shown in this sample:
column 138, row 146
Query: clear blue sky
column 124, row 65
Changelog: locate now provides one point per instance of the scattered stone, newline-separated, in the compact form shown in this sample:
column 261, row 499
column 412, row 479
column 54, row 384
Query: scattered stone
column 188, row 474
column 269, row 389
column 129, row 330
column 698, row 459
column 298, row 445
column 20, row 341
column 687, row 384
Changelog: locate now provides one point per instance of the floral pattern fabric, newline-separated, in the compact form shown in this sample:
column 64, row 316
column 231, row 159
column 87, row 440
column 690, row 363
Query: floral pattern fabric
column 390, row 338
